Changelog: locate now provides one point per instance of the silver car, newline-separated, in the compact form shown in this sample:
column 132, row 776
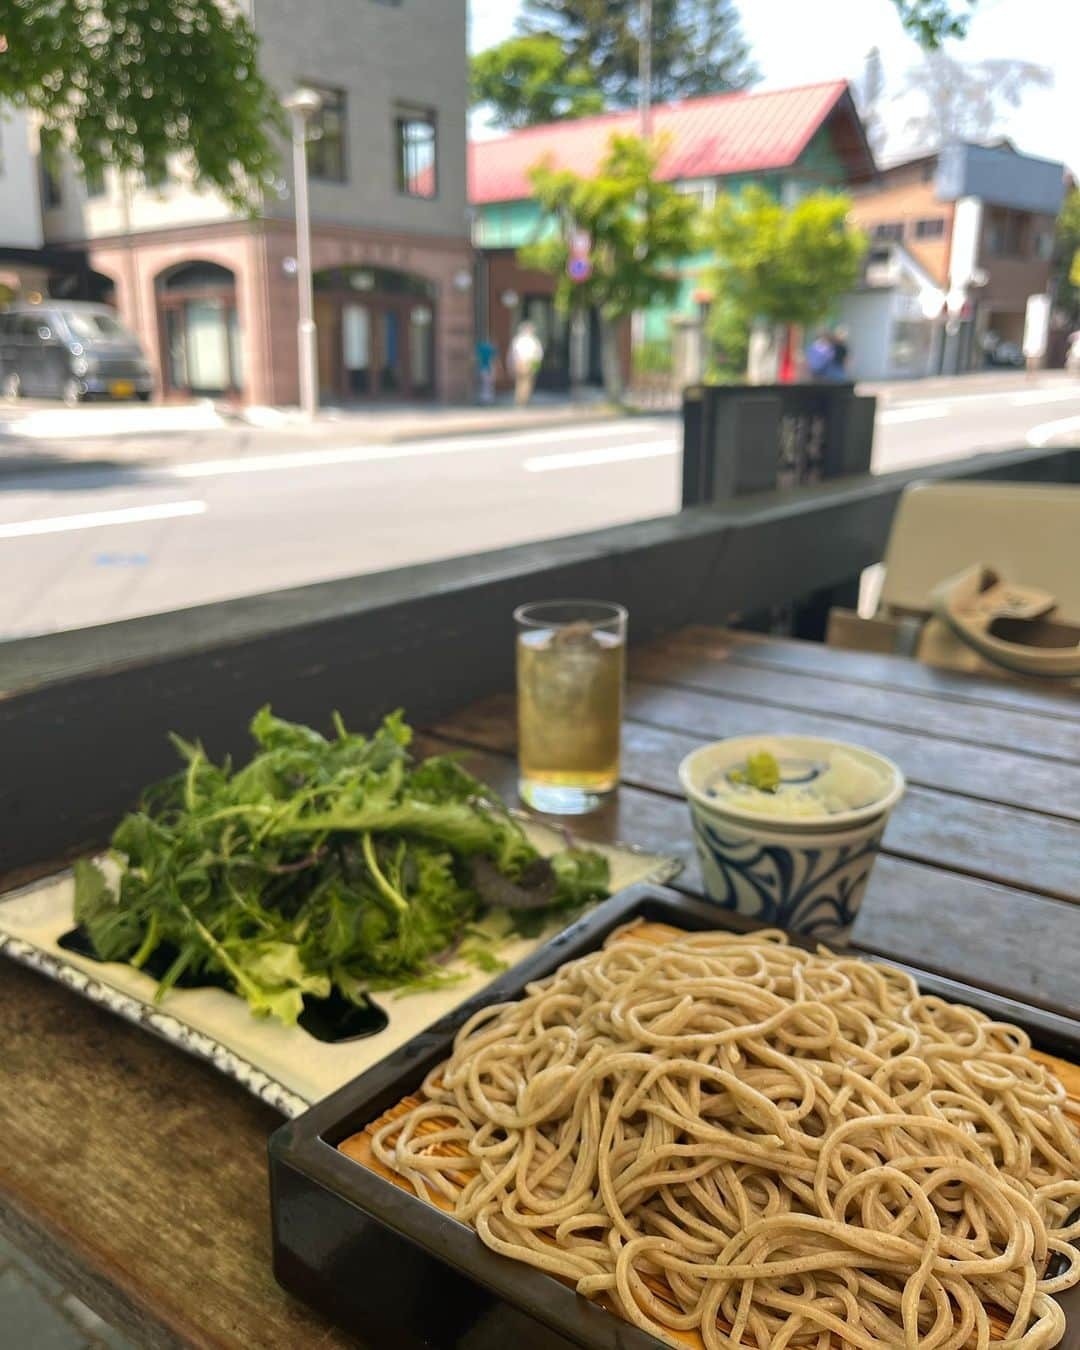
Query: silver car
column 70, row 350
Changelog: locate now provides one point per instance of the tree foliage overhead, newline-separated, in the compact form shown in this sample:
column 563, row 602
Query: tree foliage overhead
column 783, row 264
column 698, row 46
column 1067, row 256
column 964, row 101
column 638, row 228
column 131, row 82
column 528, row 80
column 930, row 22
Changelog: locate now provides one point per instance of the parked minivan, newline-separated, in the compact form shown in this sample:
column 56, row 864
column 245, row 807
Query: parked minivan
column 70, row 350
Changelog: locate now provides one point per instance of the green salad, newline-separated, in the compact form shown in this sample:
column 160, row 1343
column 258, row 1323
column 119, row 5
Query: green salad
column 323, row 866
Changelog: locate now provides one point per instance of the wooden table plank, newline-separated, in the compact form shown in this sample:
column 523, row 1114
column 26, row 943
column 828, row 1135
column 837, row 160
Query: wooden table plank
column 992, row 936
column 939, row 920
column 887, row 672
column 1002, row 843
column 137, row 1174
column 1049, row 786
column 973, row 723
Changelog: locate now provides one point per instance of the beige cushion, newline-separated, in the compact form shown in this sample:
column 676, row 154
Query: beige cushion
column 1027, row 532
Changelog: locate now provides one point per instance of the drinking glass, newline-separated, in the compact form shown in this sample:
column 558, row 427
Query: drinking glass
column 570, row 675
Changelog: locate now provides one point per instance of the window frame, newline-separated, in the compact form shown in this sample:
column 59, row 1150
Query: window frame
column 1008, row 233
column 335, row 99
column 406, row 115
column 887, row 232
column 930, row 228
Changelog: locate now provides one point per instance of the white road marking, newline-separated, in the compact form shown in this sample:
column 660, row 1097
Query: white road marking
column 1047, row 396
column 369, row 454
column 1046, row 431
column 919, row 413
column 610, row 454
column 1043, row 393
column 115, row 420
column 89, row 520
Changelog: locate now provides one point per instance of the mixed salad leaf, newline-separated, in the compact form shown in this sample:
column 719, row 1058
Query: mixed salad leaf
column 322, row 866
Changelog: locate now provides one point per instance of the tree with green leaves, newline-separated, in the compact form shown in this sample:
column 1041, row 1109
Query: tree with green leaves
column 1066, row 270
column 528, row 80
column 930, row 22
column 638, row 230
column 784, row 265
column 131, row 82
column 698, row 46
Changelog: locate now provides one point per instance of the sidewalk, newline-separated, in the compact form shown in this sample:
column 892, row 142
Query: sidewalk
column 971, row 384
column 46, row 436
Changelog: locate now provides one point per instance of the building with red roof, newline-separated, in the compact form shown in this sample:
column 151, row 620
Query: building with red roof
column 791, row 141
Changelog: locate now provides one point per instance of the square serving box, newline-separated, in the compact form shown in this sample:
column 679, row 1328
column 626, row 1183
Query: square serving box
column 402, row 1275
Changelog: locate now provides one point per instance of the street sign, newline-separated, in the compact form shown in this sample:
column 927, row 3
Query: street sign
column 579, row 269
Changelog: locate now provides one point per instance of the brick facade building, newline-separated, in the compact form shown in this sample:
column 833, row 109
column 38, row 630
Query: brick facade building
column 213, row 296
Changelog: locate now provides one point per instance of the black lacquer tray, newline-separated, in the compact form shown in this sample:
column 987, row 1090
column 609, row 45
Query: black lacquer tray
column 401, row 1274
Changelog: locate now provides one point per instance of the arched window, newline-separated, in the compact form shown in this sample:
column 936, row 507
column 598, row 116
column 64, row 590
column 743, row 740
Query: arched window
column 200, row 328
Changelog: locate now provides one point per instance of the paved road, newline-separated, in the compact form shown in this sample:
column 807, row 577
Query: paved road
column 84, row 546
column 914, row 428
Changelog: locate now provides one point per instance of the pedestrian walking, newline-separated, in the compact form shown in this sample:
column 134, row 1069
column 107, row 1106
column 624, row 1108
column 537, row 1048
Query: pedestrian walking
column 526, row 354
column 821, row 356
column 840, row 353
column 486, row 369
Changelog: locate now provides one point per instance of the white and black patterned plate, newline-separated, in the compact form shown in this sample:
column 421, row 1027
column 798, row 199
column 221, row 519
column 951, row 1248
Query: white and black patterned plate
column 284, row 1066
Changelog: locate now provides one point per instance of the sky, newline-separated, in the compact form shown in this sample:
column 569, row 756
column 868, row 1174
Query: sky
column 800, row 42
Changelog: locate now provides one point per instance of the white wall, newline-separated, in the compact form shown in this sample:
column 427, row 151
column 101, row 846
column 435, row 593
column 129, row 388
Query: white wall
column 867, row 315
column 964, row 257
column 173, row 204
column 20, row 209
column 870, row 318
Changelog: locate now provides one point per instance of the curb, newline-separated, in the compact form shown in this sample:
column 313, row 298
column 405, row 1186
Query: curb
column 112, row 453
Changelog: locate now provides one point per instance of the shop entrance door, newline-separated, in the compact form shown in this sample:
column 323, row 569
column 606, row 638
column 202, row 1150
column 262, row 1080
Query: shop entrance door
column 374, row 343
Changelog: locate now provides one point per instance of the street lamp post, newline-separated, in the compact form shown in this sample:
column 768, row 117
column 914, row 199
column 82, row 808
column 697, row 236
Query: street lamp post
column 303, row 104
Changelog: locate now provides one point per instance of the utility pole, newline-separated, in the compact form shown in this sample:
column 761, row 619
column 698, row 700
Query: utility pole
column 645, row 70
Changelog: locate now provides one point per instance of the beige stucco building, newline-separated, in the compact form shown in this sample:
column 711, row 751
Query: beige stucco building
column 213, row 296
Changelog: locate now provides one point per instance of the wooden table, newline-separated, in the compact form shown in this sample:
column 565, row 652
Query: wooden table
column 138, row 1175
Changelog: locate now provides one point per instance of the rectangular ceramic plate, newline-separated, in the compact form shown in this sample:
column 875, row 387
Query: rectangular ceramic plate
column 397, row 1271
column 285, row 1066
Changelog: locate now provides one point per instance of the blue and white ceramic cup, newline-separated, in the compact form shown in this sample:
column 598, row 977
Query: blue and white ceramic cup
column 806, row 874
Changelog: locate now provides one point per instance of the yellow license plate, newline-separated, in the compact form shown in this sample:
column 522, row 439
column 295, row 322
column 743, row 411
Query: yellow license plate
column 121, row 389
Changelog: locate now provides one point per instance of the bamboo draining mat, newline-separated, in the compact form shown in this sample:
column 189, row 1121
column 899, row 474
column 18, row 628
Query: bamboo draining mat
column 358, row 1146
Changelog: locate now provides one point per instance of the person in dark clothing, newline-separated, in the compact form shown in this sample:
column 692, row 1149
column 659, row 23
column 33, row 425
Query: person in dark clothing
column 840, row 353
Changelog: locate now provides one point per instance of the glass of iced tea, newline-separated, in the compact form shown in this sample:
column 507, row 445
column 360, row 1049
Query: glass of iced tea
column 570, row 673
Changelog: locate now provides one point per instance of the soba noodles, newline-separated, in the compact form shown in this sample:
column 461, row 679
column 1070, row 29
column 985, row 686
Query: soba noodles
column 773, row 1148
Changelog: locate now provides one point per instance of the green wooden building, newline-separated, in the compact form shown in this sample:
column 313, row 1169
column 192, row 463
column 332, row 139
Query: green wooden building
column 789, row 141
